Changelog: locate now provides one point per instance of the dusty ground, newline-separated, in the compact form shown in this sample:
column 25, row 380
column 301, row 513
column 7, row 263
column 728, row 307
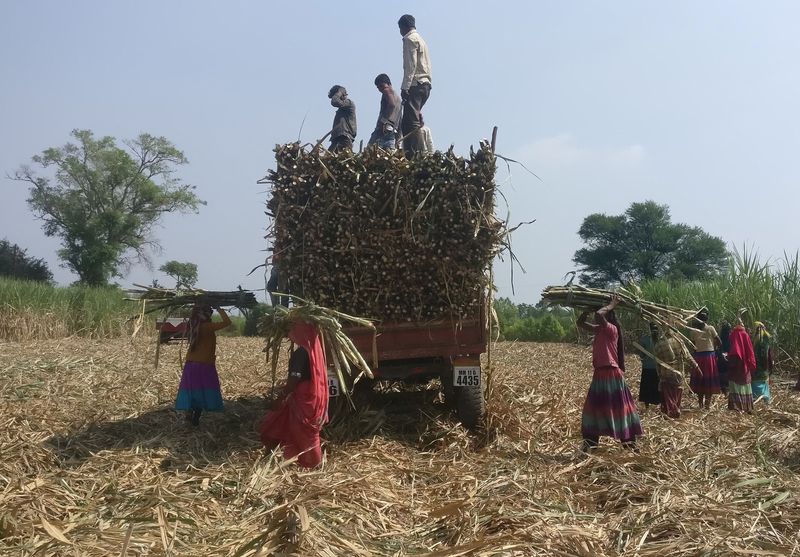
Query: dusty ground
column 94, row 462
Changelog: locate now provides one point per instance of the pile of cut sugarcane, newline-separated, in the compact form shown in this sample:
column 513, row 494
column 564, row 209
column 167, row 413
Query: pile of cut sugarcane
column 155, row 299
column 379, row 235
column 585, row 298
column 278, row 321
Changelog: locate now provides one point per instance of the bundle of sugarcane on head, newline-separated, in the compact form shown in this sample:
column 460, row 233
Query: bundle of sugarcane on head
column 629, row 300
column 379, row 235
column 299, row 412
column 665, row 345
column 278, row 322
column 155, row 299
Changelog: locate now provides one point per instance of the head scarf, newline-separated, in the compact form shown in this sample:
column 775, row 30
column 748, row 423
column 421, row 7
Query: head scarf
column 761, row 344
column 313, row 404
column 761, row 330
column 742, row 347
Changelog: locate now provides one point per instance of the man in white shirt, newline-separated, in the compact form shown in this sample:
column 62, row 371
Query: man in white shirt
column 416, row 86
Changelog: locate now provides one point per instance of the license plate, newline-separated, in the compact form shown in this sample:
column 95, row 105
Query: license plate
column 467, row 376
column 333, row 386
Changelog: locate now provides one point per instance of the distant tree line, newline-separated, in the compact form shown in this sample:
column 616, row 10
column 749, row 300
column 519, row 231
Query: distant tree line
column 533, row 323
column 16, row 263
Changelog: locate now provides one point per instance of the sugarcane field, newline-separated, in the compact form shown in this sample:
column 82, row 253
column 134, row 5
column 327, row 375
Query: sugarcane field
column 539, row 309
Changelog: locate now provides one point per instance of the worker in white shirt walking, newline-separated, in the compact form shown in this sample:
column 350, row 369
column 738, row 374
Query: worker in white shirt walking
column 416, row 86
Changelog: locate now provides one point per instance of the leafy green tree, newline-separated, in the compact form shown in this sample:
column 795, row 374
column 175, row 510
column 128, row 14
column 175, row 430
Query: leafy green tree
column 507, row 314
column 185, row 274
column 644, row 243
column 548, row 329
column 15, row 262
column 103, row 201
column 527, row 310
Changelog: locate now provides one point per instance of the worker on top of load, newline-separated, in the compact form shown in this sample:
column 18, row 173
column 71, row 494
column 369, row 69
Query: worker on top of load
column 344, row 122
column 385, row 134
column 416, row 86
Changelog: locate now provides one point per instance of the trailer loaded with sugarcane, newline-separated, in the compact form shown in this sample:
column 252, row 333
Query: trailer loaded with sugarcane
column 406, row 243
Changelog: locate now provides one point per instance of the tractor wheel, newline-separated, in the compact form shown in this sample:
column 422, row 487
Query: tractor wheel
column 470, row 405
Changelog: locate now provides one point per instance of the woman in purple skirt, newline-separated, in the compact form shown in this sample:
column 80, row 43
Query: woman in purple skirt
column 199, row 389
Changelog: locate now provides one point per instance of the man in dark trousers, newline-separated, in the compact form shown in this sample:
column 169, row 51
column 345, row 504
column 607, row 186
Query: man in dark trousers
column 416, row 86
column 344, row 122
column 385, row 134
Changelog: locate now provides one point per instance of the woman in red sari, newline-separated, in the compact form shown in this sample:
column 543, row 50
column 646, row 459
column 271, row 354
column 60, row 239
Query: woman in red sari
column 741, row 363
column 302, row 409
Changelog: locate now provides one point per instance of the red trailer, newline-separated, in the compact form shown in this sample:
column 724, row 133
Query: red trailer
column 417, row 352
column 174, row 328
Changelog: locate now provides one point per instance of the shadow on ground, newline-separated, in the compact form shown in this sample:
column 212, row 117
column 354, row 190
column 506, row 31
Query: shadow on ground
column 415, row 416
column 218, row 436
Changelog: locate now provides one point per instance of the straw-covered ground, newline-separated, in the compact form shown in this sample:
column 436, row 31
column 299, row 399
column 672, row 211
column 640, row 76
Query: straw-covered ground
column 94, row 462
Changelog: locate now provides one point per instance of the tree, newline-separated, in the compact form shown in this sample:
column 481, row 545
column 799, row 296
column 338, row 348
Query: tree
column 104, row 201
column 185, row 274
column 15, row 262
column 644, row 243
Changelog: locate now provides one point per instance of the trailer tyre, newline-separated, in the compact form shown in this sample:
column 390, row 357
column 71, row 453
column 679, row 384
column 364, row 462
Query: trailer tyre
column 470, row 405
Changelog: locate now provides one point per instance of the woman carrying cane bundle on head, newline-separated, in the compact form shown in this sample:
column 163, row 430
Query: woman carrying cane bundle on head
column 296, row 418
column 609, row 408
column 705, row 377
column 200, row 389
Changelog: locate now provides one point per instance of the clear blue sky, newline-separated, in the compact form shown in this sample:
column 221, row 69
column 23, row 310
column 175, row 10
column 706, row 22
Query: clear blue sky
column 693, row 104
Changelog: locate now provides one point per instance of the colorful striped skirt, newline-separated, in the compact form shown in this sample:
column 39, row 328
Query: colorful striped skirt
column 740, row 396
column 199, row 388
column 609, row 408
column 671, row 397
column 706, row 383
column 761, row 389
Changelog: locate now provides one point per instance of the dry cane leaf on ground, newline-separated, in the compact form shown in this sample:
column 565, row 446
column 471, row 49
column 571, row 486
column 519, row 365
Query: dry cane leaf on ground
column 96, row 463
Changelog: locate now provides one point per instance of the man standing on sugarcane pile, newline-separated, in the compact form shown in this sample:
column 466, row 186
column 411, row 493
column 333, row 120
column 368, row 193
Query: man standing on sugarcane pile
column 344, row 122
column 416, row 86
column 385, row 134
column 672, row 361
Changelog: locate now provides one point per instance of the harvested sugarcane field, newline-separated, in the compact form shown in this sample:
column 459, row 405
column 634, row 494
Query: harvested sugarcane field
column 97, row 462
column 325, row 279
